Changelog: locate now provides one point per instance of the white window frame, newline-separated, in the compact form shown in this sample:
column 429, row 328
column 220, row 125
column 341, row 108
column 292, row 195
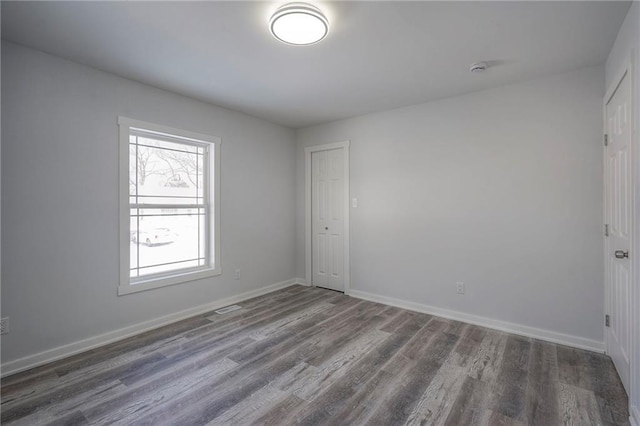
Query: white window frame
column 127, row 285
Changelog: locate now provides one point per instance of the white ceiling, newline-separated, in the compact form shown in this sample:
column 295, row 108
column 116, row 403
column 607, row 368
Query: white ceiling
column 378, row 55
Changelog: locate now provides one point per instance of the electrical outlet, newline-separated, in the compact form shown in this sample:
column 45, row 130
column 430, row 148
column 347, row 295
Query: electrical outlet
column 237, row 274
column 460, row 287
column 4, row 325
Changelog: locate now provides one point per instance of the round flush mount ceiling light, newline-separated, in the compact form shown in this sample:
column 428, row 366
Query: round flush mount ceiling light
column 299, row 24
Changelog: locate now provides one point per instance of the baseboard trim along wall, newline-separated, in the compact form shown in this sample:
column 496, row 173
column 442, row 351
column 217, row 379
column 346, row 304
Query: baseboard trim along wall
column 301, row 281
column 509, row 327
column 74, row 348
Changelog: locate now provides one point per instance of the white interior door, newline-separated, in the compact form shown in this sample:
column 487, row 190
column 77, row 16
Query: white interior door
column 618, row 211
column 327, row 218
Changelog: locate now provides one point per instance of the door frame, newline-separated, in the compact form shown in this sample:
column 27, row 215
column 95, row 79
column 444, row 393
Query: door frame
column 627, row 70
column 307, row 189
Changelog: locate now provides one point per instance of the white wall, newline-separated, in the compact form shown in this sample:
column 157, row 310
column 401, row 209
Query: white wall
column 500, row 189
column 628, row 43
column 60, row 201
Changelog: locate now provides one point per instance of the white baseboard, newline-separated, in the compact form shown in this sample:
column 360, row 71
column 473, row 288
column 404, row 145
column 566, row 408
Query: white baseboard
column 634, row 415
column 302, row 281
column 70, row 349
column 509, row 327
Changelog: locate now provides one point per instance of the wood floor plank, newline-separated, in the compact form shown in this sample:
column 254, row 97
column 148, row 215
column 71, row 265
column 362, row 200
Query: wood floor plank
column 578, row 406
column 341, row 315
column 417, row 344
column 311, row 356
column 399, row 405
column 396, row 321
column 275, row 298
column 267, row 362
column 455, row 327
column 341, row 337
column 98, row 360
column 434, row 405
column 281, row 413
column 81, row 370
column 259, row 314
column 369, row 397
column 248, row 410
column 273, row 327
column 333, row 400
column 27, row 381
column 73, row 405
column 328, row 340
column 195, row 366
column 337, row 395
column 214, row 405
column 488, row 361
column 334, row 368
column 72, row 419
column 366, row 400
column 511, row 384
column 58, row 394
column 469, row 343
column 141, row 341
column 261, row 306
column 481, row 379
column 390, row 312
column 608, row 389
column 492, row 418
column 572, row 368
column 542, row 385
column 264, row 312
column 138, row 404
column 205, row 337
column 233, row 392
column 469, row 406
column 185, row 360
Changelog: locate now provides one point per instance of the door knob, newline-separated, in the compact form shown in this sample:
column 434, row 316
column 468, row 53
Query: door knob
column 621, row 254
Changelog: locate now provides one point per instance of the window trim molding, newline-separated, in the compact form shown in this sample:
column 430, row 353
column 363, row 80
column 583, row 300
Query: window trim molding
column 125, row 285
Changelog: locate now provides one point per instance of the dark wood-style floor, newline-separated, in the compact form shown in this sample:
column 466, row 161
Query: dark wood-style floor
column 312, row 356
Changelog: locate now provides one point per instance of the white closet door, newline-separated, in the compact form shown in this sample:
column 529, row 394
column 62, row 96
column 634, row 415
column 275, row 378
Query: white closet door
column 327, row 221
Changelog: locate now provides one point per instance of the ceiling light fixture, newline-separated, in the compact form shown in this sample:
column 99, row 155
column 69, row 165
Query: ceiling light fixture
column 299, row 24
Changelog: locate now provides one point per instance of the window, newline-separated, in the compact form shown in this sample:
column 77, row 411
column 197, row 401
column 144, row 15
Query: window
column 169, row 206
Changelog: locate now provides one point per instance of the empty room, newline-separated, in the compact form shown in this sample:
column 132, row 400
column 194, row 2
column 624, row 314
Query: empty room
column 320, row 213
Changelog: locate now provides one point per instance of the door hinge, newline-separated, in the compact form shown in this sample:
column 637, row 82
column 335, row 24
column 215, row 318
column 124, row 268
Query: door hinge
column 606, row 320
column 606, row 230
column 606, row 140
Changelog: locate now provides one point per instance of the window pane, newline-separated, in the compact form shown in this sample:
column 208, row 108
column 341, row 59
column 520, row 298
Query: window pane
column 202, row 219
column 133, row 248
column 133, row 164
column 168, row 239
column 177, row 200
column 163, row 171
column 144, row 139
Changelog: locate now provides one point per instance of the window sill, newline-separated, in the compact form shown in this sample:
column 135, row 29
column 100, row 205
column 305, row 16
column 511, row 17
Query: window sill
column 150, row 284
